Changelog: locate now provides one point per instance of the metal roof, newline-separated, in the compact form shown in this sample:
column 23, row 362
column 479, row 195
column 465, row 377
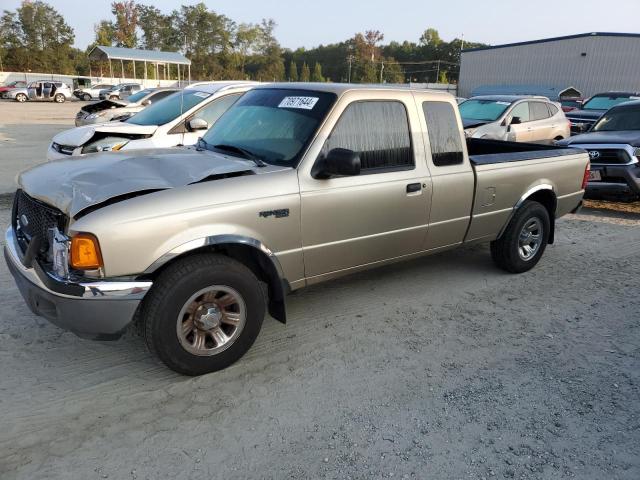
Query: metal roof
column 555, row 39
column 101, row 52
column 540, row 90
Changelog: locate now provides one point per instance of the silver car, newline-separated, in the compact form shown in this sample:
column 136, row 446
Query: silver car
column 92, row 92
column 43, row 91
column 120, row 92
column 111, row 110
column 514, row 118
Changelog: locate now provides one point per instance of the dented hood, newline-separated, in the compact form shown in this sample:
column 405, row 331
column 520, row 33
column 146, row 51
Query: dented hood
column 76, row 137
column 75, row 184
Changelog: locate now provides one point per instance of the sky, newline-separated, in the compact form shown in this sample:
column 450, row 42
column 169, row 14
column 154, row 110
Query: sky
column 311, row 23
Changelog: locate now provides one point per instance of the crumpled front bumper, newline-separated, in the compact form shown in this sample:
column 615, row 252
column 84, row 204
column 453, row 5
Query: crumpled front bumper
column 99, row 310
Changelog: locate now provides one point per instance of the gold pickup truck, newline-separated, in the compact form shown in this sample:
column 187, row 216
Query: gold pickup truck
column 294, row 185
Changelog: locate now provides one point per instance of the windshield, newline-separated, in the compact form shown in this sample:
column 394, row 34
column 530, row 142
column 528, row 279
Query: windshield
column 274, row 125
column 136, row 97
column 605, row 102
column 620, row 118
column 169, row 108
column 485, row 110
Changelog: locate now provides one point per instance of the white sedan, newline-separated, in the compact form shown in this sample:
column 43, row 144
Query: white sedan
column 178, row 119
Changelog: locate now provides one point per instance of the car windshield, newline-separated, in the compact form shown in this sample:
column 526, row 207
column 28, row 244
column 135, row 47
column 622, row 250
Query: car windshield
column 273, row 125
column 136, row 97
column 169, row 108
column 605, row 102
column 620, row 118
column 485, row 110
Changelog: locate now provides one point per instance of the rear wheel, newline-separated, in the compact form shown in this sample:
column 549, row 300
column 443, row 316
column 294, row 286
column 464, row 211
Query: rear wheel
column 21, row 97
column 113, row 97
column 59, row 98
column 86, row 97
column 524, row 241
column 203, row 313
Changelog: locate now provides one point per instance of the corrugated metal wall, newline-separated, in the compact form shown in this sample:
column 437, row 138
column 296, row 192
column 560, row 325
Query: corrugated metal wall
column 611, row 63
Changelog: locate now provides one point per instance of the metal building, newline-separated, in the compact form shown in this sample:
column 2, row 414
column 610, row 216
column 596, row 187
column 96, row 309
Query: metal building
column 589, row 62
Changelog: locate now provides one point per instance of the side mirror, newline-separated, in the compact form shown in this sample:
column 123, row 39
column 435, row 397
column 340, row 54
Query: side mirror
column 339, row 162
column 147, row 102
column 516, row 121
column 196, row 124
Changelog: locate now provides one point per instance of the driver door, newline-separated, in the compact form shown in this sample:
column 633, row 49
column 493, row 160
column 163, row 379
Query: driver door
column 353, row 221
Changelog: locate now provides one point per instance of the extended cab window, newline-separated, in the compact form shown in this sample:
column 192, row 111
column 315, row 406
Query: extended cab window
column 378, row 131
column 444, row 133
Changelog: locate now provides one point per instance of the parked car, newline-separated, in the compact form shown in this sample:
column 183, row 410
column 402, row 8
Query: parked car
column 570, row 104
column 41, row 91
column 92, row 92
column 11, row 86
column 110, row 110
column 584, row 118
column 514, row 118
column 613, row 144
column 296, row 184
column 120, row 92
column 179, row 119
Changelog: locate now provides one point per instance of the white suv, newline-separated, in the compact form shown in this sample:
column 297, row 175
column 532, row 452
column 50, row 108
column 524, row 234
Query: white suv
column 179, row 119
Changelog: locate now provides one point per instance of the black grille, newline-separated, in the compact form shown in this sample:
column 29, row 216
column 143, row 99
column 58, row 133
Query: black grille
column 608, row 155
column 32, row 218
column 64, row 149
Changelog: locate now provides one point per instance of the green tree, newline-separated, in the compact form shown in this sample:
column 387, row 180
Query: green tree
column 316, row 76
column 293, row 71
column 105, row 32
column 126, row 23
column 305, row 75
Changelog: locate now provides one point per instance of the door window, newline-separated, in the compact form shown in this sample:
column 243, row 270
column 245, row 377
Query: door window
column 444, row 133
column 539, row 110
column 521, row 111
column 379, row 132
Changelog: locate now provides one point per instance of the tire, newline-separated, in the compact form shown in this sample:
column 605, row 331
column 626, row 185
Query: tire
column 169, row 310
column 21, row 97
column 86, row 97
column 113, row 97
column 59, row 98
column 525, row 239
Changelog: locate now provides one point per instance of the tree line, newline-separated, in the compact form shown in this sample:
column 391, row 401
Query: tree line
column 35, row 37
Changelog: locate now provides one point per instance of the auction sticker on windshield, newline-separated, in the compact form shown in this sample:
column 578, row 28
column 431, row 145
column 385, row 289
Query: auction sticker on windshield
column 305, row 103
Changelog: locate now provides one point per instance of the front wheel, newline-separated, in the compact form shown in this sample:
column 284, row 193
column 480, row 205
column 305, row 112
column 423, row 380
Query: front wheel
column 86, row 97
column 21, row 97
column 524, row 241
column 203, row 313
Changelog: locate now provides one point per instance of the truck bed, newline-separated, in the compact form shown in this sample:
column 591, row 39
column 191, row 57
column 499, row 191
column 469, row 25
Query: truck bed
column 486, row 152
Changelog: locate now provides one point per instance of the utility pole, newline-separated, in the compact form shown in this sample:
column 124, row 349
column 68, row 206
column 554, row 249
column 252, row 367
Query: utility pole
column 350, row 59
column 381, row 70
column 438, row 73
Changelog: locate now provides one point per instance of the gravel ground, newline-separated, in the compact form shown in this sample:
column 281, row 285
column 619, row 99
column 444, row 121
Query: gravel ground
column 25, row 132
column 443, row 367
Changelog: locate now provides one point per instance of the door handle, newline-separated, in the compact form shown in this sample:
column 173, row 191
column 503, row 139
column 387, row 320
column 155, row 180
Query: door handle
column 414, row 187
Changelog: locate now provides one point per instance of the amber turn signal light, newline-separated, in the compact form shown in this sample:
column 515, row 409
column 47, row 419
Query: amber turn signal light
column 85, row 252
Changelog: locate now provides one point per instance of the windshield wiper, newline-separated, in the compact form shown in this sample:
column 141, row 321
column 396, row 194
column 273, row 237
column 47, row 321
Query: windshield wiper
column 249, row 155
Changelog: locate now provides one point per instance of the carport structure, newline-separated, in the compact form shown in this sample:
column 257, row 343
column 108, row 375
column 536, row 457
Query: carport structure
column 157, row 58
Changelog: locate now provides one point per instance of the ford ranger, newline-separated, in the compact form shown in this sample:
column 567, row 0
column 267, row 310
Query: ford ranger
column 294, row 185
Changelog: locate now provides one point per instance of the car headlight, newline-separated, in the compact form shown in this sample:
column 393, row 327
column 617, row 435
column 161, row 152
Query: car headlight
column 469, row 132
column 108, row 144
column 104, row 114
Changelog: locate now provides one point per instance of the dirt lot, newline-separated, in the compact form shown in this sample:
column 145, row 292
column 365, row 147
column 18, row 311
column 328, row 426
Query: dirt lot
column 440, row 368
column 25, row 132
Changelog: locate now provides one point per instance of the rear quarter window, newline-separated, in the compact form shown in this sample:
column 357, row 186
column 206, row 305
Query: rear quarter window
column 444, row 133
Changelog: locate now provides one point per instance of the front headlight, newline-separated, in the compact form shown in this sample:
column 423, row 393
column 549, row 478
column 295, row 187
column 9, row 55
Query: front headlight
column 104, row 114
column 108, row 144
column 469, row 132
